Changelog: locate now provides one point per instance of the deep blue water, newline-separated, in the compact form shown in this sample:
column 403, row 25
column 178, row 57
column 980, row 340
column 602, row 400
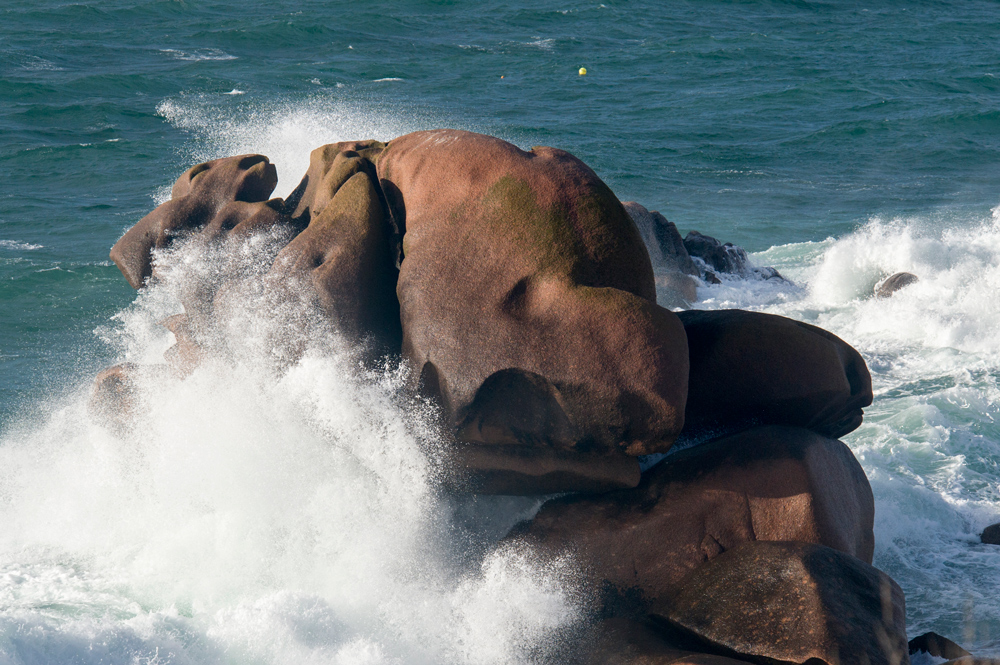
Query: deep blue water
column 838, row 140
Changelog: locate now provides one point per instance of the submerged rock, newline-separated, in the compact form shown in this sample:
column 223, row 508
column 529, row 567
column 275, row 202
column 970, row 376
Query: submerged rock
column 894, row 283
column 991, row 535
column 527, row 261
column 770, row 483
column 792, row 603
column 749, row 368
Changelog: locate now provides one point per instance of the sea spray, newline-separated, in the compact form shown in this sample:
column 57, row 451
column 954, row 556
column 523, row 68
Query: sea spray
column 279, row 504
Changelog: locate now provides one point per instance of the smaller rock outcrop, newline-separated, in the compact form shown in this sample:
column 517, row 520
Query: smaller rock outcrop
column 991, row 535
column 749, row 368
column 675, row 273
column 789, row 602
column 724, row 258
column 663, row 240
column 222, row 196
column 893, row 283
column 727, row 257
column 937, row 646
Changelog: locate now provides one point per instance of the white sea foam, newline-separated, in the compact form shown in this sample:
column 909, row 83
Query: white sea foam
column 277, row 505
column 19, row 246
column 195, row 55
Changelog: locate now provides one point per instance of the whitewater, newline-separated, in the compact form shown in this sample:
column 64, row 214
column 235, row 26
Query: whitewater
column 282, row 504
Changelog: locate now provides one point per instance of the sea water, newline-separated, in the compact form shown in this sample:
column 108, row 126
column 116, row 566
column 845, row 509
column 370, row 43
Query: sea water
column 281, row 504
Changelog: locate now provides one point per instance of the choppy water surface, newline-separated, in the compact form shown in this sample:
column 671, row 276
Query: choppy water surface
column 268, row 511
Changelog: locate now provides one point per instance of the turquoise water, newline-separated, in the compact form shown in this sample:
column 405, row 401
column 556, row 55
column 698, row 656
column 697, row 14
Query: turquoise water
column 838, row 141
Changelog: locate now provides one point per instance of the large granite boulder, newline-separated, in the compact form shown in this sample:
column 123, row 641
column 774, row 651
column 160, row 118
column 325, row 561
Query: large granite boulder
column 228, row 195
column 771, row 483
column 749, row 368
column 789, row 602
column 345, row 253
column 523, row 267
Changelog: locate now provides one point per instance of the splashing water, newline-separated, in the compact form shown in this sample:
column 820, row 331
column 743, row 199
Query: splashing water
column 277, row 505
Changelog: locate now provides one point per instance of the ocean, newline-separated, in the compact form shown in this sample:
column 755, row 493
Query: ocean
column 272, row 513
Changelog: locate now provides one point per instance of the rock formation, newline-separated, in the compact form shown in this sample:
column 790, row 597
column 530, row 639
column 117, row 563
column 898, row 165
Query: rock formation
column 991, row 535
column 519, row 292
column 893, row 283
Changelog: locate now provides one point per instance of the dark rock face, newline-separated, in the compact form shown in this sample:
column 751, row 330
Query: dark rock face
column 751, row 368
column 666, row 248
column 527, row 261
column 894, row 283
column 937, row 646
column 991, row 535
column 720, row 257
column 640, row 642
column 344, row 252
column 770, row 483
column 224, row 195
column 791, row 603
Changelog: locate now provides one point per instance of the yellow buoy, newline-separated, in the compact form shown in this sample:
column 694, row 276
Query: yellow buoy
column 583, row 71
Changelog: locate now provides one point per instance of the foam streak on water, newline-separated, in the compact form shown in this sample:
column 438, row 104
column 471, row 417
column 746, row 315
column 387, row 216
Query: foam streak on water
column 930, row 443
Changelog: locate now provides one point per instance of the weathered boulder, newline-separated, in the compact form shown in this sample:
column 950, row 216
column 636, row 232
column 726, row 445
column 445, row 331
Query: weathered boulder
column 894, row 283
column 790, row 602
column 345, row 252
column 663, row 240
column 937, row 646
column 991, row 535
column 749, row 368
column 770, row 483
column 526, row 261
column 225, row 195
